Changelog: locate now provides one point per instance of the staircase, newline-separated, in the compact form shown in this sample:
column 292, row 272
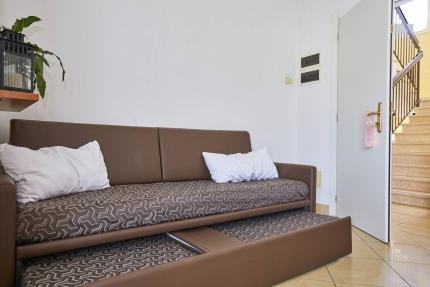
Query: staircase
column 410, row 120
column 411, row 159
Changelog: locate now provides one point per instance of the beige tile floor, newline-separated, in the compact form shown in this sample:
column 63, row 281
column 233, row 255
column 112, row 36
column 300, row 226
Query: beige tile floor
column 404, row 262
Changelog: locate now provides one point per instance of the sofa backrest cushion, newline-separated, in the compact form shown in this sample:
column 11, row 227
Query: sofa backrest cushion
column 131, row 154
column 181, row 150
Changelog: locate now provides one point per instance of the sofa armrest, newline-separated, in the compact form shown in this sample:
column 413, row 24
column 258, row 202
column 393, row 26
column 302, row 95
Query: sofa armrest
column 7, row 229
column 304, row 173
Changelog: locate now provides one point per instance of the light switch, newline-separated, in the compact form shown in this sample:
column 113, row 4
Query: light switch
column 288, row 80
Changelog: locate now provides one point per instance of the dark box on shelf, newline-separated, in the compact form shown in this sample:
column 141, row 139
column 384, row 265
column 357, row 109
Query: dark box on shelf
column 16, row 62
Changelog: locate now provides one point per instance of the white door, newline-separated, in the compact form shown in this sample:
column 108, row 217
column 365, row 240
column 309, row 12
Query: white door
column 364, row 80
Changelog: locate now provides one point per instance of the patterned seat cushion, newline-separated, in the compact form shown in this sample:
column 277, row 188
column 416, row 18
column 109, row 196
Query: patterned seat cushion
column 260, row 227
column 77, row 268
column 127, row 206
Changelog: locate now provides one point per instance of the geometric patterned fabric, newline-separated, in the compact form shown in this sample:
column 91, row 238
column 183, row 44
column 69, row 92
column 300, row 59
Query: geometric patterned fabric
column 128, row 206
column 87, row 265
column 256, row 228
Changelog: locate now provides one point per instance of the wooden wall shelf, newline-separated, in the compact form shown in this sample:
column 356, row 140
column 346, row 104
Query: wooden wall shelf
column 11, row 101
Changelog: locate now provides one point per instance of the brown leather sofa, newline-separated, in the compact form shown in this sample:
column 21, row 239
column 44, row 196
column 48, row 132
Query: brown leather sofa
column 145, row 161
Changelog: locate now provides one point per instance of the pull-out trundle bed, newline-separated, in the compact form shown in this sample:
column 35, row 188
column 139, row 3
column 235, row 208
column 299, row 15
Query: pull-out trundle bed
column 260, row 251
column 163, row 222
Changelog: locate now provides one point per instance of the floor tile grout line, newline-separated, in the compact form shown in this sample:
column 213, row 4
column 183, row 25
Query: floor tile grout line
column 334, row 283
column 416, row 244
column 426, row 236
column 412, row 220
column 427, row 249
column 383, row 259
column 360, row 284
column 411, row 245
column 413, row 234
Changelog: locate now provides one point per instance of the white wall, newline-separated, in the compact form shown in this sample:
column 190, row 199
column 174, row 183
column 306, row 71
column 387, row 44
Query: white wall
column 198, row 64
column 317, row 106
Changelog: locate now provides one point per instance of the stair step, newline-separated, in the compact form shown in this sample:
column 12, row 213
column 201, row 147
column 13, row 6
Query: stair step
column 412, row 158
column 415, row 127
column 408, row 169
column 413, row 198
column 413, row 137
column 419, row 119
column 415, row 132
column 425, row 103
column 411, row 148
column 409, row 183
column 422, row 111
column 417, row 124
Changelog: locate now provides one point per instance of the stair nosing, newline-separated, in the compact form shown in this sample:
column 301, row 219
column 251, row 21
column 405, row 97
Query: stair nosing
column 421, row 123
column 423, row 166
column 411, row 144
column 403, row 142
column 421, row 108
column 420, row 116
column 395, row 191
column 413, row 133
column 412, row 153
column 411, row 178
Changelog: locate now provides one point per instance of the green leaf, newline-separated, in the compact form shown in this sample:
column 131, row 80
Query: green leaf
column 59, row 60
column 38, row 49
column 41, row 86
column 42, row 58
column 35, row 47
column 38, row 63
column 21, row 24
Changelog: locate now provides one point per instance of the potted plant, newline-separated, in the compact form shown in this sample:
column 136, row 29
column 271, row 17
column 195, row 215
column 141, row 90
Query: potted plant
column 39, row 60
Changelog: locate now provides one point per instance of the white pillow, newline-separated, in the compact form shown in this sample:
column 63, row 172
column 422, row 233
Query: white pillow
column 54, row 171
column 256, row 165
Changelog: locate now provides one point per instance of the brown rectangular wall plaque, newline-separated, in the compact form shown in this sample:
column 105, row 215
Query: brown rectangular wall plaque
column 310, row 60
column 311, row 76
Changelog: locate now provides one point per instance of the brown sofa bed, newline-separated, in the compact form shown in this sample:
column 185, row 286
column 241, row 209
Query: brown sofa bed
column 164, row 222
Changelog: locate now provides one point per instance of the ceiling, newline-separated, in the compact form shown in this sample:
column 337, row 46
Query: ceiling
column 417, row 13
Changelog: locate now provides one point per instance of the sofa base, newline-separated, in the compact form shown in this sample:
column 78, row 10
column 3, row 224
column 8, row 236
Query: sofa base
column 226, row 260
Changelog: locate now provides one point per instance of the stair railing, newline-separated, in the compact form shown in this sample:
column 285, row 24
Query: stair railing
column 406, row 83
